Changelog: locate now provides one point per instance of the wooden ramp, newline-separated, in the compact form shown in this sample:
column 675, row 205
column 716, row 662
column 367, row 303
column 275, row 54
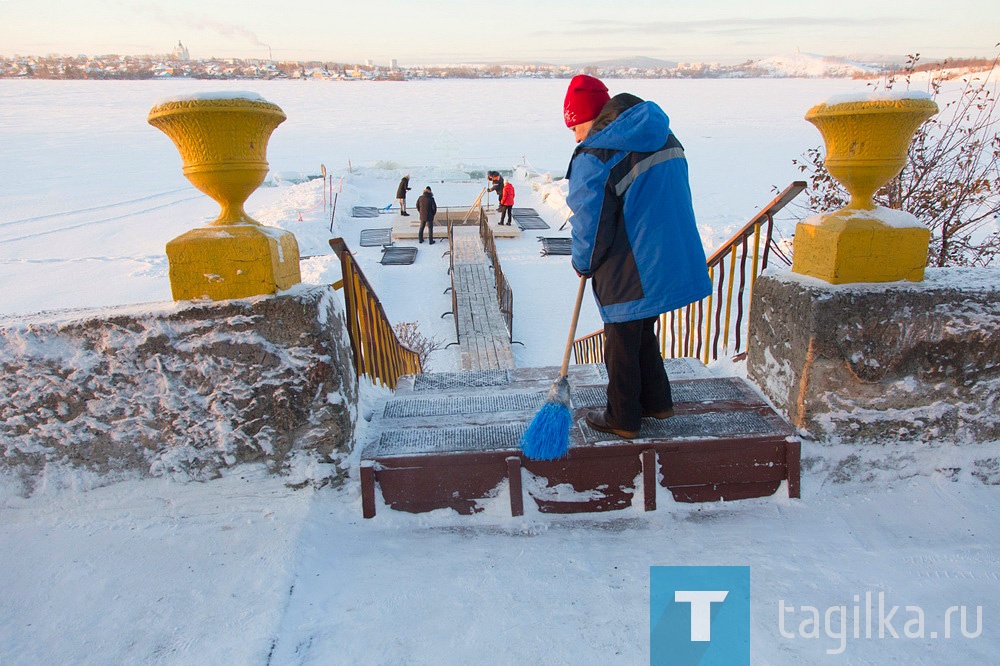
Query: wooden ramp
column 451, row 441
column 483, row 337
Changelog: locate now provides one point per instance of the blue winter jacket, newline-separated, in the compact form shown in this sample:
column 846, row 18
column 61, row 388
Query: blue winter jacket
column 634, row 230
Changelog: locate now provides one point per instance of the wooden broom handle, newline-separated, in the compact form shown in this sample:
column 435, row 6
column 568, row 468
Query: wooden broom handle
column 572, row 327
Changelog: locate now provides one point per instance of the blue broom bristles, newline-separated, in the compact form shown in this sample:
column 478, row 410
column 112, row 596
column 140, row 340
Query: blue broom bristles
column 547, row 436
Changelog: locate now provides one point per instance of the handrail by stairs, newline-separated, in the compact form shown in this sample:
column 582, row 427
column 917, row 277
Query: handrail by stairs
column 505, row 295
column 451, row 275
column 702, row 328
column 378, row 353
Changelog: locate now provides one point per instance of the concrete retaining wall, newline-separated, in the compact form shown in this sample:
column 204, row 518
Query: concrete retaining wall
column 881, row 362
column 184, row 389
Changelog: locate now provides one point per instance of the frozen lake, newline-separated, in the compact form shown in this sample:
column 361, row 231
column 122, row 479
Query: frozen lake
column 92, row 193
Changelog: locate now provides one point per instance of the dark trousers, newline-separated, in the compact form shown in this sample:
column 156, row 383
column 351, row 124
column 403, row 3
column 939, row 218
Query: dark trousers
column 430, row 229
column 637, row 381
column 505, row 210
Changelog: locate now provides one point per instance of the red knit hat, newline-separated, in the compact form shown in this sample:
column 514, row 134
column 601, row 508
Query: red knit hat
column 585, row 98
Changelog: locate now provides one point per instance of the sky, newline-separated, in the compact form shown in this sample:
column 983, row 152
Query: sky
column 554, row 31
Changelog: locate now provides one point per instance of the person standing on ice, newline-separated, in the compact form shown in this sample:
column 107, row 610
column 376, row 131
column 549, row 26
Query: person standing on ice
column 427, row 208
column 507, row 202
column 404, row 187
column 635, row 236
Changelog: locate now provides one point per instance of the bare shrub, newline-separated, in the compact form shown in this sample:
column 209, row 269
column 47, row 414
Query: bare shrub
column 408, row 333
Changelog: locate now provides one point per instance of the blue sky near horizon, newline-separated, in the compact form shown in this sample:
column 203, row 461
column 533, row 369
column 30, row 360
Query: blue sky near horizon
column 555, row 31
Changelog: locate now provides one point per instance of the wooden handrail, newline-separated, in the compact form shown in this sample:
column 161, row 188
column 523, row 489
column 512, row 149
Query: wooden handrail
column 377, row 351
column 451, row 276
column 766, row 214
column 505, row 295
column 590, row 348
column 700, row 329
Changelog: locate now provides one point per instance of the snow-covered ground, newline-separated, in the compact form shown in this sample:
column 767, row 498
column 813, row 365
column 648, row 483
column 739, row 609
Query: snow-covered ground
column 245, row 570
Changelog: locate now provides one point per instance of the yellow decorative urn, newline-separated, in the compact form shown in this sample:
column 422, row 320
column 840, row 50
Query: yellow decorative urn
column 866, row 141
column 222, row 139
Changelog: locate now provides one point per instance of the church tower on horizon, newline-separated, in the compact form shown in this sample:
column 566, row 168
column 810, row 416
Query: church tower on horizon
column 181, row 52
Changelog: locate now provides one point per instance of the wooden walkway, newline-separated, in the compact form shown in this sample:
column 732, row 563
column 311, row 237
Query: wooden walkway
column 483, row 337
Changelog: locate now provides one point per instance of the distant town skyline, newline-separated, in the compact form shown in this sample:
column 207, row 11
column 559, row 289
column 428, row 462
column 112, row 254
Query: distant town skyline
column 556, row 31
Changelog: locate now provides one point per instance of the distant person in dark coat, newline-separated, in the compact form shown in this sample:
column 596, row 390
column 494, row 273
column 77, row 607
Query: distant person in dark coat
column 496, row 181
column 427, row 208
column 404, row 187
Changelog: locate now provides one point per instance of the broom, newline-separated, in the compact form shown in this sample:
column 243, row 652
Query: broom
column 547, row 436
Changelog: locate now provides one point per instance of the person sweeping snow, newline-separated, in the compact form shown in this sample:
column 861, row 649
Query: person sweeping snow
column 635, row 237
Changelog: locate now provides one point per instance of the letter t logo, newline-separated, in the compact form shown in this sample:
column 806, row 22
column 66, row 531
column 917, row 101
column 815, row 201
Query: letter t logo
column 701, row 610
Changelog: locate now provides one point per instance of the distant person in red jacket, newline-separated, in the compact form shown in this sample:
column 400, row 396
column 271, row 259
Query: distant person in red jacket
column 507, row 202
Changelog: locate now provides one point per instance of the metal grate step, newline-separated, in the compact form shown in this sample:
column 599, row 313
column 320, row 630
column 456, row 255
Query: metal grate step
column 401, row 408
column 713, row 390
column 447, row 440
column 719, row 390
column 451, row 380
column 507, row 436
column 709, row 424
column 677, row 368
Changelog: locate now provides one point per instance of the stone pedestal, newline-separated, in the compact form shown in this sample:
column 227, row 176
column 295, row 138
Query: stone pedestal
column 235, row 261
column 851, row 246
column 881, row 362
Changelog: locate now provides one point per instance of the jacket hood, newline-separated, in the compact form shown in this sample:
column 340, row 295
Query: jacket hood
column 642, row 127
